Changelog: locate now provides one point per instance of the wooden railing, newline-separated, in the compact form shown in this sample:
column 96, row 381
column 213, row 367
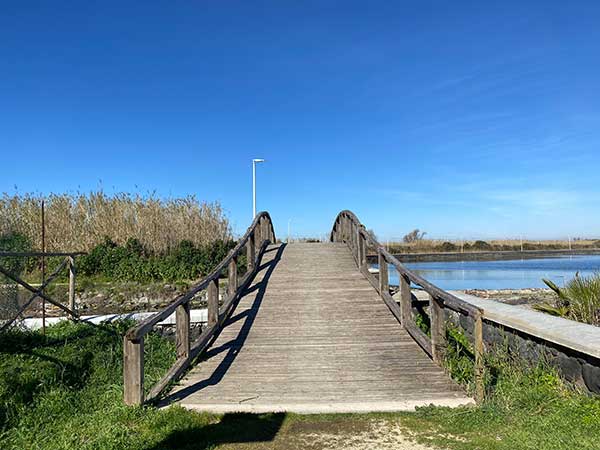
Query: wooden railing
column 347, row 228
column 259, row 235
column 68, row 263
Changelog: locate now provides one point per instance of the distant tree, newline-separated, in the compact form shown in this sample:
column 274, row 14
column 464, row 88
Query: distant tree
column 414, row 236
column 448, row 247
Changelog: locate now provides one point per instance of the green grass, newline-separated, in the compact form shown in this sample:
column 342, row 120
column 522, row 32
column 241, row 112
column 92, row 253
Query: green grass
column 528, row 408
column 64, row 391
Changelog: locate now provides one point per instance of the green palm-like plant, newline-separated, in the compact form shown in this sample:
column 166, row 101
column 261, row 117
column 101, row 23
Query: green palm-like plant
column 579, row 300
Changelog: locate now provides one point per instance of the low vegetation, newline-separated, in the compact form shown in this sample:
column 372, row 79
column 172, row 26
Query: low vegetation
column 133, row 262
column 526, row 408
column 579, row 300
column 79, row 222
column 413, row 243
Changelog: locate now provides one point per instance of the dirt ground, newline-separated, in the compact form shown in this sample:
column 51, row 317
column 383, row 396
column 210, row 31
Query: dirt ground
column 359, row 434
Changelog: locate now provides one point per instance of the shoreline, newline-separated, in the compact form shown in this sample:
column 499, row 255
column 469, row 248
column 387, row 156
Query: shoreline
column 491, row 255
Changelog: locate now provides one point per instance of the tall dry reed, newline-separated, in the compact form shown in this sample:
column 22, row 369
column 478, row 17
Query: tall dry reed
column 77, row 222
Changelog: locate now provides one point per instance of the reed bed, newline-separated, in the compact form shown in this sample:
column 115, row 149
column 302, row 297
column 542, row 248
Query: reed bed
column 78, row 222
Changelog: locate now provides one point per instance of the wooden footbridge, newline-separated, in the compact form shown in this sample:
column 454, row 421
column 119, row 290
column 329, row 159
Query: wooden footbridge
column 306, row 329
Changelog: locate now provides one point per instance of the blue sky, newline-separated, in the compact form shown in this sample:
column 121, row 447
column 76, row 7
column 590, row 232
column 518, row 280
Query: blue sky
column 474, row 119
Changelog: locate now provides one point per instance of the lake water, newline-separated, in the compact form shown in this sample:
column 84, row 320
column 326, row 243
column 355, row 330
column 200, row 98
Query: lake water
column 508, row 274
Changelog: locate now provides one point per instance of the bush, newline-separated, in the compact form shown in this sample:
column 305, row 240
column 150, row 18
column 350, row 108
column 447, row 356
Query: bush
column 14, row 242
column 579, row 300
column 448, row 247
column 133, row 262
column 481, row 246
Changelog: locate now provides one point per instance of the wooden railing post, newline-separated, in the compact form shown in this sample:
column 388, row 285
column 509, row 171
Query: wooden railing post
column 438, row 329
column 384, row 281
column 479, row 367
column 232, row 277
column 362, row 257
column 182, row 324
column 258, row 233
column 72, row 284
column 264, row 232
column 133, row 371
column 213, row 302
column 405, row 300
column 250, row 253
column 346, row 230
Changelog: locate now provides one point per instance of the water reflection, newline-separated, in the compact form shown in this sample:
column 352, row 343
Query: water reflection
column 506, row 274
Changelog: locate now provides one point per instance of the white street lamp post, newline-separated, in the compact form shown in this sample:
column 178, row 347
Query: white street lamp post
column 254, row 161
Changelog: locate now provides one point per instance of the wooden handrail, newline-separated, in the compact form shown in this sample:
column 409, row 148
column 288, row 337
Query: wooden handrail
column 347, row 228
column 260, row 234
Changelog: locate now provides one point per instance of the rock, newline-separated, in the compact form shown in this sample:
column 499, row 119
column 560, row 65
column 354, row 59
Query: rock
column 591, row 377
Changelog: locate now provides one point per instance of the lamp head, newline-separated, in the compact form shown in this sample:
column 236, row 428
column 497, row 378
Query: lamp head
column 258, row 160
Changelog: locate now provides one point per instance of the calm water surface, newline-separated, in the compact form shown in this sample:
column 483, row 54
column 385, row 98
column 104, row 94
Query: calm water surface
column 509, row 274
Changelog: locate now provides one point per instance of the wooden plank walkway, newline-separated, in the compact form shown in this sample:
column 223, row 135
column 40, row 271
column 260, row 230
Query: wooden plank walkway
column 311, row 335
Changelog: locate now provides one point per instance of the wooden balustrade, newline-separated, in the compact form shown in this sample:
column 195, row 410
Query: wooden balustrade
column 435, row 344
column 253, row 243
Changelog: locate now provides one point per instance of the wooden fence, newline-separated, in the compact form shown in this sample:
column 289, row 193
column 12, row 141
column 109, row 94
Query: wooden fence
column 68, row 263
column 348, row 229
column 253, row 243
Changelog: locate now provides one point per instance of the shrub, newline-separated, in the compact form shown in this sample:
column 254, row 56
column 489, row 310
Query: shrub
column 579, row 300
column 14, row 242
column 448, row 247
column 133, row 262
column 481, row 245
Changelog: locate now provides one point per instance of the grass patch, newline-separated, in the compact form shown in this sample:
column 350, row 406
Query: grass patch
column 527, row 408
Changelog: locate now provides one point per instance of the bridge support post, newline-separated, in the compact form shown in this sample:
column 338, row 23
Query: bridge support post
column 232, row 277
column 133, row 371
column 384, row 281
column 347, row 232
column 405, row 301
column 438, row 329
column 361, row 250
column 250, row 253
column 182, row 325
column 258, row 233
column 263, row 231
column 213, row 302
